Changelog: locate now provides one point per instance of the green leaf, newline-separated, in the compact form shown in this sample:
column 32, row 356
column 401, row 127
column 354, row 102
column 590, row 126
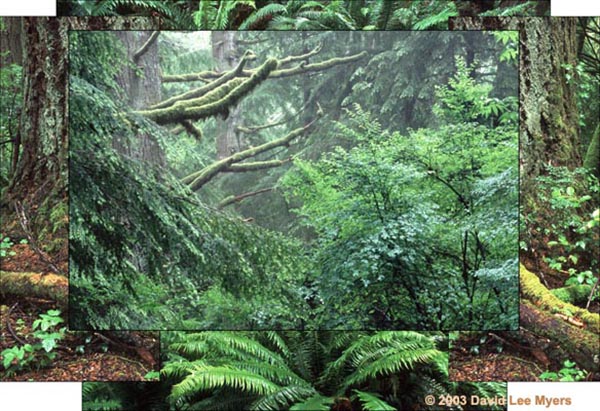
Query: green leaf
column 372, row 402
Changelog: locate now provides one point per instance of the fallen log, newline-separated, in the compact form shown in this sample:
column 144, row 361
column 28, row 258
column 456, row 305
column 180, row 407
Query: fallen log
column 534, row 291
column 567, row 341
column 49, row 286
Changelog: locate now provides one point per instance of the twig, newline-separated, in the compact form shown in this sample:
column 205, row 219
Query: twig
column 19, row 209
column 9, row 327
column 587, row 306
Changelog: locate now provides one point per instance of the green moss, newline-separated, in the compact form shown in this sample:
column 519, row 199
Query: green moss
column 533, row 290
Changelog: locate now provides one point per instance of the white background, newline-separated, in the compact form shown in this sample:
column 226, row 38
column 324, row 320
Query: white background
column 66, row 396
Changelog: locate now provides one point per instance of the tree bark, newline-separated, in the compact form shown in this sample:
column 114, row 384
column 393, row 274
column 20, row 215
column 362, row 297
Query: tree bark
column 142, row 86
column 11, row 41
column 41, row 173
column 225, row 53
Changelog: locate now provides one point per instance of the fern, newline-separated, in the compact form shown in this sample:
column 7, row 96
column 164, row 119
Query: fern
column 372, row 402
column 210, row 378
column 315, row 403
column 283, row 398
column 437, row 19
column 261, row 14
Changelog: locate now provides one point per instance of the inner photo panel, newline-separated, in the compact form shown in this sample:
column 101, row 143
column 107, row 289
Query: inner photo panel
column 282, row 180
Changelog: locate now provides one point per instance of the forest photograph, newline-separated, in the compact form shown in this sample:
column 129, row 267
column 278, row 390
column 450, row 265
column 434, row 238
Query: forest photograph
column 322, row 180
column 298, row 370
column 364, row 219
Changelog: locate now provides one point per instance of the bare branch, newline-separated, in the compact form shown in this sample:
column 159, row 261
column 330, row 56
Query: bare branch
column 146, row 45
column 301, row 57
column 236, row 199
column 255, row 165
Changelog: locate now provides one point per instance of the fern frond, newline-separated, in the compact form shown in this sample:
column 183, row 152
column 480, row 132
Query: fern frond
column 441, row 18
column 391, row 364
column 262, row 13
column 211, row 378
column 371, row 402
column 283, row 398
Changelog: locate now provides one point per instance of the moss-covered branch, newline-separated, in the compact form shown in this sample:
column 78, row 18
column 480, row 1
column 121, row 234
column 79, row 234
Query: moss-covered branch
column 201, row 91
column 292, row 71
column 198, row 179
column 236, row 199
column 212, row 103
column 292, row 59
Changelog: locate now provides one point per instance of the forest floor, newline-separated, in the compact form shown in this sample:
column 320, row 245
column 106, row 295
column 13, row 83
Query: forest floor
column 81, row 355
column 482, row 357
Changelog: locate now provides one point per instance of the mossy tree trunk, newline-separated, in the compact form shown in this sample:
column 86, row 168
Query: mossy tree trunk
column 40, row 175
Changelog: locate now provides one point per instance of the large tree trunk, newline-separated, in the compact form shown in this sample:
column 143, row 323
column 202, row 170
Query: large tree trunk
column 141, row 83
column 225, row 52
column 40, row 175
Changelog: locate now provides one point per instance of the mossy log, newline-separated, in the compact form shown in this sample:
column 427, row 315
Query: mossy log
column 568, row 341
column 575, row 294
column 533, row 290
column 50, row 286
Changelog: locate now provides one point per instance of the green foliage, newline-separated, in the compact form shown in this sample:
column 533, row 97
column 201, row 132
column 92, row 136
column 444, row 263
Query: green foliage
column 568, row 197
column 10, row 108
column 392, row 205
column 294, row 14
column 40, row 354
column 174, row 13
column 5, row 246
column 140, row 244
column 371, row 402
column 439, row 19
column 510, row 40
column 569, row 373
